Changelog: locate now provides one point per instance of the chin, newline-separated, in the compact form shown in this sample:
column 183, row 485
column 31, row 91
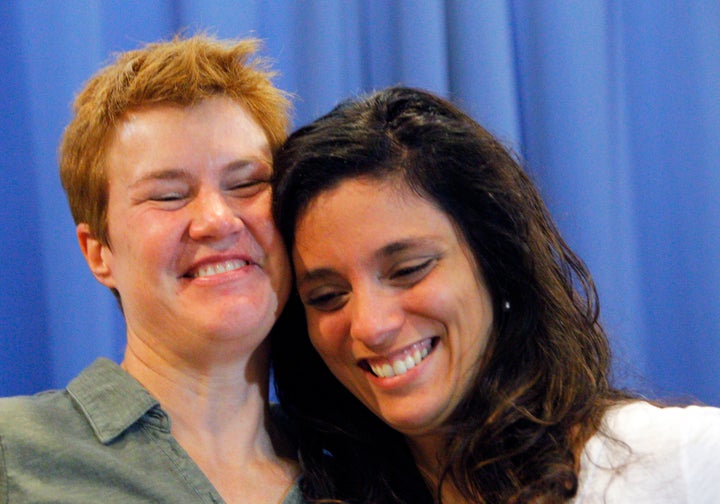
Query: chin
column 411, row 425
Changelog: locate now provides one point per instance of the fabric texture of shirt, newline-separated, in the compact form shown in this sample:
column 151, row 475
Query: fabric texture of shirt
column 104, row 439
column 648, row 454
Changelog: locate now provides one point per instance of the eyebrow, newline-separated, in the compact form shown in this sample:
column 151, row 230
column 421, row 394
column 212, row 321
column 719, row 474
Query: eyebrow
column 244, row 163
column 161, row 174
column 397, row 246
column 316, row 275
column 182, row 174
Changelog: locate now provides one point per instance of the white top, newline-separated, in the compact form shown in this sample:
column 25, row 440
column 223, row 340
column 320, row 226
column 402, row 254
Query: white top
column 653, row 455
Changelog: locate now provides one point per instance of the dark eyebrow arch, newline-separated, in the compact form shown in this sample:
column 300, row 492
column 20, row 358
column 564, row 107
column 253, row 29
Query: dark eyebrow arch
column 316, row 275
column 401, row 245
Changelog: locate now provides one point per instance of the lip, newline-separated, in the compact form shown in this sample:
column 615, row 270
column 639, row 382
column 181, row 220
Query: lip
column 218, row 266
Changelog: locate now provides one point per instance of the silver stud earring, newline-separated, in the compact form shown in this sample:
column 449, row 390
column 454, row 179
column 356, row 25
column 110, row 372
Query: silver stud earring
column 506, row 306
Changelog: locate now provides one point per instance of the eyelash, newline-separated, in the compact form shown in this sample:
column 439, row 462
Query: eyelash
column 410, row 271
column 322, row 301
column 247, row 185
column 406, row 276
column 243, row 187
column 168, row 197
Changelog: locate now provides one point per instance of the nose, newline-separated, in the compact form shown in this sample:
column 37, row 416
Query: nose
column 213, row 217
column 376, row 318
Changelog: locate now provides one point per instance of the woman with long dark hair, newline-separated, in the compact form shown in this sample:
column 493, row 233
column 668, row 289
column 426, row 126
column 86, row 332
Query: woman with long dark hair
column 454, row 351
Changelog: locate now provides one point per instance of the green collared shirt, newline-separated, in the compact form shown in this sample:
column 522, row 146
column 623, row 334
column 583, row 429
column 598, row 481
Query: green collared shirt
column 104, row 439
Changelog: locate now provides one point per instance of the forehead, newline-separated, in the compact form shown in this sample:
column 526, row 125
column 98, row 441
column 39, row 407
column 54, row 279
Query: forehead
column 213, row 130
column 358, row 198
column 367, row 213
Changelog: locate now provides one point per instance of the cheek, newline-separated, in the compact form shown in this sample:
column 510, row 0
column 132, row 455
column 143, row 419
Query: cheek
column 326, row 334
column 475, row 319
column 436, row 303
column 149, row 233
column 465, row 310
column 155, row 243
column 271, row 244
column 261, row 224
column 259, row 221
column 333, row 350
column 256, row 212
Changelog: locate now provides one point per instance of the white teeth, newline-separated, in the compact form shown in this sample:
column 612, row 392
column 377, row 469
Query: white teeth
column 409, row 362
column 417, row 356
column 403, row 362
column 222, row 267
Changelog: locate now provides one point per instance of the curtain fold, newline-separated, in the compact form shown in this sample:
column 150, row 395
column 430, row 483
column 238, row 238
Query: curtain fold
column 613, row 107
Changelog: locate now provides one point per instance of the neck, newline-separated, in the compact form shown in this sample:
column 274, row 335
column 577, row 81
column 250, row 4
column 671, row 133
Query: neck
column 427, row 450
column 207, row 400
column 218, row 409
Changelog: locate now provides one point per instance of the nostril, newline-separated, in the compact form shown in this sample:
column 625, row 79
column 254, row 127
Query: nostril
column 213, row 217
column 376, row 315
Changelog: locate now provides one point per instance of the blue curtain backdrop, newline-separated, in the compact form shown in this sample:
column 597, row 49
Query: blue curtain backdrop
column 614, row 105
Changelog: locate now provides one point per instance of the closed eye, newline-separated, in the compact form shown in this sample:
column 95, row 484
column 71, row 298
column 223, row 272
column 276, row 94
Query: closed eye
column 413, row 272
column 324, row 300
column 174, row 196
column 248, row 188
column 246, row 178
column 168, row 199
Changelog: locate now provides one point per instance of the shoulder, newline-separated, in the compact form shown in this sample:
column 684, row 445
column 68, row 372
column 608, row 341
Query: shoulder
column 663, row 435
column 49, row 408
column 40, row 420
column 646, row 453
column 99, row 403
column 21, row 413
column 642, row 423
column 34, row 432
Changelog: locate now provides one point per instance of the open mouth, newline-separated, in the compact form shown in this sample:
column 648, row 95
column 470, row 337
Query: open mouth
column 400, row 363
column 217, row 268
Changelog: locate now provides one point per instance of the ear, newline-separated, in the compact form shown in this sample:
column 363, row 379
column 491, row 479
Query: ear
column 97, row 255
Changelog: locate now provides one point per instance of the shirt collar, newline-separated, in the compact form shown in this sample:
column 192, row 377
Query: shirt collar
column 110, row 399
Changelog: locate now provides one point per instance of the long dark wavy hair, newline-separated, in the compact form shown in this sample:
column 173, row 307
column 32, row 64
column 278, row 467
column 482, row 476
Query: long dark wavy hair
column 543, row 383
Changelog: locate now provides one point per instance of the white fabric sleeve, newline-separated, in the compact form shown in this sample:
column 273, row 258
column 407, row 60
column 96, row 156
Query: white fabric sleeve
column 647, row 454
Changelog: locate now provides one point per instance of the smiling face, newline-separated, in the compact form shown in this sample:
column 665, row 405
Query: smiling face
column 395, row 304
column 193, row 249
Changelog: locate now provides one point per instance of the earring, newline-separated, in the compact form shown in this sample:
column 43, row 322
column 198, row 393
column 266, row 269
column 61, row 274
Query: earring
column 506, row 306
